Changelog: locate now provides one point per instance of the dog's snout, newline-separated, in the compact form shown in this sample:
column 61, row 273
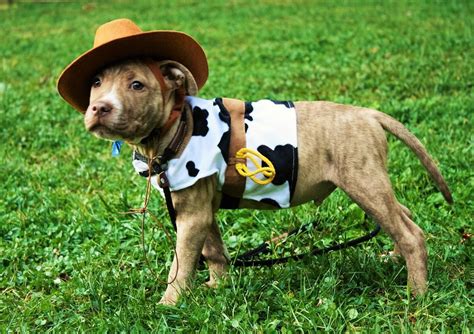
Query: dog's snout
column 101, row 108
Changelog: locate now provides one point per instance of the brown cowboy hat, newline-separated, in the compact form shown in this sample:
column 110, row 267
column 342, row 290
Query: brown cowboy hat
column 122, row 39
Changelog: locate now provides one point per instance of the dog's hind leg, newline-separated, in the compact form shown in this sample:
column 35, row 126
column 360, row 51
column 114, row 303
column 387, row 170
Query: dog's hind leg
column 216, row 255
column 406, row 211
column 396, row 250
column 373, row 192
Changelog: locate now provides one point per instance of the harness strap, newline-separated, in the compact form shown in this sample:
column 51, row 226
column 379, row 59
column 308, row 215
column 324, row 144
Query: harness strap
column 155, row 69
column 179, row 95
column 234, row 183
column 178, row 140
column 165, row 185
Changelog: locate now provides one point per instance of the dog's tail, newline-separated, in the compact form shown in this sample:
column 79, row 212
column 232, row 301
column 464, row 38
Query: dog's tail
column 398, row 130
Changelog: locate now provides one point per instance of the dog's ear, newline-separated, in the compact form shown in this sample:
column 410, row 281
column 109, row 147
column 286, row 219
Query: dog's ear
column 177, row 75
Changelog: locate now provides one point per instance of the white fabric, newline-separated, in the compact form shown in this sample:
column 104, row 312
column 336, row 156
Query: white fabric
column 271, row 124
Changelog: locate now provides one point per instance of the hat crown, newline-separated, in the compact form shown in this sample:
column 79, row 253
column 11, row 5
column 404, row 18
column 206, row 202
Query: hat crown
column 115, row 29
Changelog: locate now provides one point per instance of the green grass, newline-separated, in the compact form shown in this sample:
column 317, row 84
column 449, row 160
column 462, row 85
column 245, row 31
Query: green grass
column 70, row 261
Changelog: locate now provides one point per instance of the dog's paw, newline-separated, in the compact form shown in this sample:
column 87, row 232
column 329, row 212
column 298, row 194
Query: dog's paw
column 212, row 284
column 168, row 302
column 170, row 298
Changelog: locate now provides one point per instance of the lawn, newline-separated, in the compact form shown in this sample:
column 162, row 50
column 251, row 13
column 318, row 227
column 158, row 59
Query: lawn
column 71, row 261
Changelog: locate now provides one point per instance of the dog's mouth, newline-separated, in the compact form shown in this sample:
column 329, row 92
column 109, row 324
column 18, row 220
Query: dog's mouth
column 110, row 130
column 103, row 131
column 99, row 127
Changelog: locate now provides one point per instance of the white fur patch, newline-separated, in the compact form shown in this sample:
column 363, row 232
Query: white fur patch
column 113, row 98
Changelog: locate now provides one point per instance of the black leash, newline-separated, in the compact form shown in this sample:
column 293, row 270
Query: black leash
column 248, row 259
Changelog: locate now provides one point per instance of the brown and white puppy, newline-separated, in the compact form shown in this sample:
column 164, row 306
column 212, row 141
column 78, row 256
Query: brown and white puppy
column 339, row 146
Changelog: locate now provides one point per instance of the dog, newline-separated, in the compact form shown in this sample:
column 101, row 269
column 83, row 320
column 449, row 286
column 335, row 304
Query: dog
column 338, row 146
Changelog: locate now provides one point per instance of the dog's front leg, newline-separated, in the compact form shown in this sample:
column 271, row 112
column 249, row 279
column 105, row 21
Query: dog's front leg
column 194, row 218
column 216, row 256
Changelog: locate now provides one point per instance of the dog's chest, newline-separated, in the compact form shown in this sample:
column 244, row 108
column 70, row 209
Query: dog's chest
column 270, row 129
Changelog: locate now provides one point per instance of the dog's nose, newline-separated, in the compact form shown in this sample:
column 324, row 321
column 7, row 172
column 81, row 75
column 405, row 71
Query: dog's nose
column 101, row 108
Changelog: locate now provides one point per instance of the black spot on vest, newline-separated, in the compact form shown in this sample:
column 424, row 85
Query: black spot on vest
column 192, row 170
column 200, row 127
column 248, row 111
column 285, row 160
column 224, row 143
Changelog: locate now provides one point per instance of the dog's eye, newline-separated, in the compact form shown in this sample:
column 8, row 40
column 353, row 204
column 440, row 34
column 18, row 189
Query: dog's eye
column 137, row 85
column 96, row 82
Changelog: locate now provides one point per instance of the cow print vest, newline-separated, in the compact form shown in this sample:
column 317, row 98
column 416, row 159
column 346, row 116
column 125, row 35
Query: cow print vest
column 270, row 128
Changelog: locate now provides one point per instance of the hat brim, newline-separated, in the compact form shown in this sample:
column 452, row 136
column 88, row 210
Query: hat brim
column 74, row 83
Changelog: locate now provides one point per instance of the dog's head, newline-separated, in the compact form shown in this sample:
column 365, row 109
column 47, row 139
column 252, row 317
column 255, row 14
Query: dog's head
column 126, row 100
